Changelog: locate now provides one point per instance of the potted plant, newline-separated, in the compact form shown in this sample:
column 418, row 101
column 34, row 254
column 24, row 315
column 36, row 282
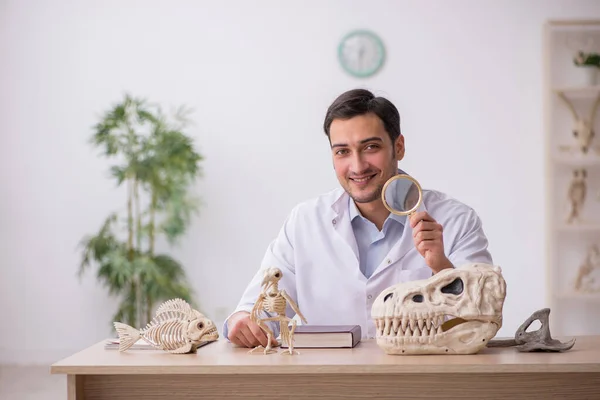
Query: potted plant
column 156, row 162
column 590, row 64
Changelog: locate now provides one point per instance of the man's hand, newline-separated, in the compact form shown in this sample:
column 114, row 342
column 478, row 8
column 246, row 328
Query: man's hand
column 429, row 241
column 243, row 332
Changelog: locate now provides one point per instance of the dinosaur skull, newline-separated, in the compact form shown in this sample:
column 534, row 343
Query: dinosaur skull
column 456, row 311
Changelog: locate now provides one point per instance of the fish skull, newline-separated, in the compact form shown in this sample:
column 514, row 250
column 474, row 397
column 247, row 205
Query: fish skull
column 456, row 311
column 201, row 329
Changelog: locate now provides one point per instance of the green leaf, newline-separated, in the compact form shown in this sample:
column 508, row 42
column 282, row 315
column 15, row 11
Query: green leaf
column 116, row 271
column 119, row 172
column 96, row 248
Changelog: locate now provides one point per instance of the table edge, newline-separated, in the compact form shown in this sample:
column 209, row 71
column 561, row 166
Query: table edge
column 322, row 369
column 69, row 366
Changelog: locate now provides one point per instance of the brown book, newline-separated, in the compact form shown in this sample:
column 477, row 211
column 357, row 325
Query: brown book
column 326, row 336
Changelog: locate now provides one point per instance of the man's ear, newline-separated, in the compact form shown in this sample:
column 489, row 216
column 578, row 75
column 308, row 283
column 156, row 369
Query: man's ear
column 399, row 148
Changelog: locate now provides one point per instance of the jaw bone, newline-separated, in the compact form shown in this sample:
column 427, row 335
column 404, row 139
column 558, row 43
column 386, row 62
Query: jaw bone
column 538, row 340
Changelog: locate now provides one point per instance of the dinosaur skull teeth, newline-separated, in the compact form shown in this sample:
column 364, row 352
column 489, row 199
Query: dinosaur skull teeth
column 403, row 326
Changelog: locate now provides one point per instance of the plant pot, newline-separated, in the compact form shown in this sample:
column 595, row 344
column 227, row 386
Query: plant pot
column 588, row 75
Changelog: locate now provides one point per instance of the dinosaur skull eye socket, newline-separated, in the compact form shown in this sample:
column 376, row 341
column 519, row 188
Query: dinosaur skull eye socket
column 277, row 275
column 418, row 298
column 455, row 287
column 388, row 296
column 200, row 325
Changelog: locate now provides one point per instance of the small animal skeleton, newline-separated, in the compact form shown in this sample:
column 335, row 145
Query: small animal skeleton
column 577, row 194
column 583, row 129
column 539, row 340
column 177, row 328
column 274, row 301
column 585, row 281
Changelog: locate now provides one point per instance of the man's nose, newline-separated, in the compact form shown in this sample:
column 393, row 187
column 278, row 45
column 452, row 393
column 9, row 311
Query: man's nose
column 359, row 164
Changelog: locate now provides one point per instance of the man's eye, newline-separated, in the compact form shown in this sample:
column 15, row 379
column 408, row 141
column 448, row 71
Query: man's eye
column 341, row 152
column 372, row 147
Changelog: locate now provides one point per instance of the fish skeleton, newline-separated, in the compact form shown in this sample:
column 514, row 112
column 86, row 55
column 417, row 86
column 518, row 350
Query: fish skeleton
column 177, row 328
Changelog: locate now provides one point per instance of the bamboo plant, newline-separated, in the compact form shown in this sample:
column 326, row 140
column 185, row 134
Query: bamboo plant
column 157, row 164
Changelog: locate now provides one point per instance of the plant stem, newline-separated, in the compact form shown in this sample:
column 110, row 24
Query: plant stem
column 130, row 253
column 138, row 243
column 151, row 240
column 130, row 219
column 148, row 307
column 138, row 218
column 151, row 227
column 131, row 310
column 138, row 301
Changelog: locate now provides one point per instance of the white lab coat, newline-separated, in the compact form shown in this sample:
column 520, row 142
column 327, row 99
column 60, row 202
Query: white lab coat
column 318, row 255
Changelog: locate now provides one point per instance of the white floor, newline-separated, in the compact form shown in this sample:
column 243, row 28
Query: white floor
column 31, row 383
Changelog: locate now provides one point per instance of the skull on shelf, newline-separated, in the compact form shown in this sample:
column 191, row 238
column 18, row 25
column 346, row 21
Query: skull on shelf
column 583, row 129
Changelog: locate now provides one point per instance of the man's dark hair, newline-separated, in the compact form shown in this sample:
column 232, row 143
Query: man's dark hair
column 360, row 101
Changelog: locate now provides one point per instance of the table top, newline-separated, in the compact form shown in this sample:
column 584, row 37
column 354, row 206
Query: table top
column 222, row 357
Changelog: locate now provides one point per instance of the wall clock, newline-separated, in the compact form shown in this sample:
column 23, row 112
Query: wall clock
column 361, row 53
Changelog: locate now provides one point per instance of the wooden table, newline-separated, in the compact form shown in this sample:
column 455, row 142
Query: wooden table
column 222, row 370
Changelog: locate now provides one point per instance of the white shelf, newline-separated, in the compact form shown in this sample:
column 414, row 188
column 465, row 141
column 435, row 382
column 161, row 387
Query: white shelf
column 579, row 160
column 581, row 227
column 579, row 91
column 579, row 296
column 566, row 91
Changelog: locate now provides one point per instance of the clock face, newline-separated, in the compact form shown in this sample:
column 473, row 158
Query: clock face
column 361, row 53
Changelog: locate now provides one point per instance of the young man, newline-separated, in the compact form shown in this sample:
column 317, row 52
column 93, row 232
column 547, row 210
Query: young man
column 338, row 251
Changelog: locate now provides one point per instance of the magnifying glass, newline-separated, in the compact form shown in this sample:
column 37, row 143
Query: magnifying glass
column 402, row 194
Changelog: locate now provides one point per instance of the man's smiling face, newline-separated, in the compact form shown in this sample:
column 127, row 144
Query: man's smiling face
column 364, row 156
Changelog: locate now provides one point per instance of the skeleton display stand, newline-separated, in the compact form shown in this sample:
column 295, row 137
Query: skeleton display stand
column 538, row 340
column 273, row 301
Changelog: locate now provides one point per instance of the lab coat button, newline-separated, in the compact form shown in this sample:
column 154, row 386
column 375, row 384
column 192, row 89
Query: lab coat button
column 369, row 297
column 333, row 221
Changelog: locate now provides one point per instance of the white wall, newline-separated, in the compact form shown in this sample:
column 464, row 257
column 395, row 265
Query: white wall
column 466, row 76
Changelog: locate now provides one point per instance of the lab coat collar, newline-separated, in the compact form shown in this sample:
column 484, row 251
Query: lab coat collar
column 355, row 213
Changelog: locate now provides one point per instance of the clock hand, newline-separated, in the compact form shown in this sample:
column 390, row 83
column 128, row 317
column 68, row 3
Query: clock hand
column 361, row 53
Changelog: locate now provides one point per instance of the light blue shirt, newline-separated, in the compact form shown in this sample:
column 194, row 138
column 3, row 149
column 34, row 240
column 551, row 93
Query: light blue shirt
column 373, row 244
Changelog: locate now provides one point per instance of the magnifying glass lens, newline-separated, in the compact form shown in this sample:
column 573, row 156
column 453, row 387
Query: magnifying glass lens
column 402, row 195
